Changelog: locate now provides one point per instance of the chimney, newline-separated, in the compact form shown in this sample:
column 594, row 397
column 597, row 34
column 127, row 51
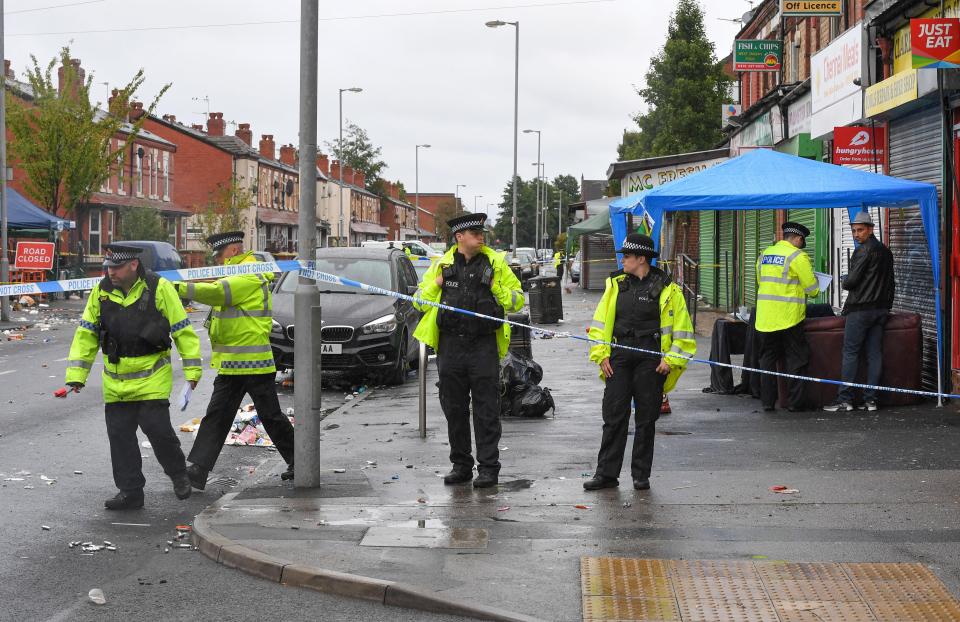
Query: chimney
column 335, row 170
column 114, row 100
column 79, row 76
column 244, row 133
column 323, row 163
column 216, row 124
column 136, row 111
column 288, row 155
column 170, row 118
column 395, row 190
column 268, row 148
column 197, row 126
column 8, row 70
column 359, row 177
column 348, row 174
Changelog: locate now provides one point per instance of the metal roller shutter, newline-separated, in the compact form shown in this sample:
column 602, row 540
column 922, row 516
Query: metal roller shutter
column 726, row 257
column 708, row 257
column 748, row 252
column 813, row 219
column 598, row 260
column 916, row 153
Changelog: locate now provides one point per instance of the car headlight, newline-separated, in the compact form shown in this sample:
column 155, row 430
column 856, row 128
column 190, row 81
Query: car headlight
column 385, row 324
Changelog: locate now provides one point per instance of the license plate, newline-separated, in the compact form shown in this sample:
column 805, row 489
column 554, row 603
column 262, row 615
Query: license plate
column 331, row 348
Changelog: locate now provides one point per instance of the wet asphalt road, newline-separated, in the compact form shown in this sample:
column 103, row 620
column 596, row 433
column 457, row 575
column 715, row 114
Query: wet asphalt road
column 43, row 579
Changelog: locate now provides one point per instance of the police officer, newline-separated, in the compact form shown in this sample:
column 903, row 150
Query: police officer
column 786, row 279
column 558, row 264
column 240, row 322
column 641, row 308
column 131, row 314
column 474, row 277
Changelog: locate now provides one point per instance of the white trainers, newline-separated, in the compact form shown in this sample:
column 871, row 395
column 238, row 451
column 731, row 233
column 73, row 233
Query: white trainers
column 839, row 407
column 869, row 405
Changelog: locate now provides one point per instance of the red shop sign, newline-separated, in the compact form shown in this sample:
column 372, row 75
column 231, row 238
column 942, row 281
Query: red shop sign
column 859, row 145
column 34, row 256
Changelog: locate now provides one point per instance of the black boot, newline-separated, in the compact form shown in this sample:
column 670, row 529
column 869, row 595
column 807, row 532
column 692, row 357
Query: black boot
column 198, row 476
column 288, row 474
column 599, row 481
column 458, row 475
column 125, row 501
column 641, row 484
column 181, row 485
column 485, row 479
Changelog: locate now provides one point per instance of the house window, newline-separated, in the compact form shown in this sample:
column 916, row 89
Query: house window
column 121, row 189
column 262, row 237
column 171, row 224
column 155, row 173
column 139, row 159
column 183, row 233
column 94, row 232
column 109, row 218
column 105, row 186
column 166, row 175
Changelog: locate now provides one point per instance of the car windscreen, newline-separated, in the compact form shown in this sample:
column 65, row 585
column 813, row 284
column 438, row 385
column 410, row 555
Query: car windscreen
column 376, row 272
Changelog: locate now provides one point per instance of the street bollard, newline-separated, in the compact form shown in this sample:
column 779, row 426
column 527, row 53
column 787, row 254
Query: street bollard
column 422, row 378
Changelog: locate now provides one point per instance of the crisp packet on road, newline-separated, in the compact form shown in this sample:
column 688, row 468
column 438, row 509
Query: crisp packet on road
column 185, row 394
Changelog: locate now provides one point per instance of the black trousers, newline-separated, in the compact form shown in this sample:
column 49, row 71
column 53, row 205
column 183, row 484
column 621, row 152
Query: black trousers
column 790, row 346
column 228, row 392
column 470, row 369
column 560, row 271
column 635, row 383
column 153, row 417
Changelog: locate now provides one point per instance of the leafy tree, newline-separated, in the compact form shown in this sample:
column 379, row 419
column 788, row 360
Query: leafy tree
column 685, row 88
column 142, row 223
column 62, row 141
column 226, row 209
column 359, row 153
column 526, row 209
column 446, row 210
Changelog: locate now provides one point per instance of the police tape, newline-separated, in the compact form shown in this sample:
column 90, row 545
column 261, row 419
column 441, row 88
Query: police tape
column 306, row 269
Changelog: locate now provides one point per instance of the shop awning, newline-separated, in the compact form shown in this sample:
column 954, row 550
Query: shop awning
column 276, row 217
column 368, row 227
column 595, row 224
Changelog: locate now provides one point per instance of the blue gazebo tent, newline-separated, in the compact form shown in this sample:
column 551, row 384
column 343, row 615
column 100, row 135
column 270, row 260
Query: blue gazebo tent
column 766, row 179
column 22, row 214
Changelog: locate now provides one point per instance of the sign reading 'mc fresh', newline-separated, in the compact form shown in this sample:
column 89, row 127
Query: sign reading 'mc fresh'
column 757, row 55
column 935, row 43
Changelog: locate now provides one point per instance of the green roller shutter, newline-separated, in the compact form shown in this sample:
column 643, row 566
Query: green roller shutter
column 749, row 255
column 708, row 257
column 726, row 257
column 817, row 244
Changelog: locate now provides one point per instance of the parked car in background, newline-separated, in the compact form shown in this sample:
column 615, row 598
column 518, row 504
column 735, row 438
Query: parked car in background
column 417, row 248
column 157, row 256
column 264, row 256
column 575, row 268
column 529, row 267
column 363, row 334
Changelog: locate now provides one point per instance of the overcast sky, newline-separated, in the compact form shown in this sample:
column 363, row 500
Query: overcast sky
column 441, row 78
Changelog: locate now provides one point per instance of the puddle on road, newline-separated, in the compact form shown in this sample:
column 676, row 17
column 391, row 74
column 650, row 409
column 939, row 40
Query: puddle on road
column 515, row 485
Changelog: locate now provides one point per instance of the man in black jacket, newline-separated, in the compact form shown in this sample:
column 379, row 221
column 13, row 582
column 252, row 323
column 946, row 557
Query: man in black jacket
column 870, row 285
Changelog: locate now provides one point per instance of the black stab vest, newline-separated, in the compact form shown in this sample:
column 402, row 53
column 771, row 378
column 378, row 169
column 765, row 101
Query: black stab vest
column 467, row 286
column 638, row 307
column 136, row 330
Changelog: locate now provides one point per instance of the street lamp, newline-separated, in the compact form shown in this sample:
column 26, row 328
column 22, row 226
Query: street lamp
column 352, row 89
column 456, row 198
column 475, row 197
column 516, row 103
column 416, row 172
column 536, row 244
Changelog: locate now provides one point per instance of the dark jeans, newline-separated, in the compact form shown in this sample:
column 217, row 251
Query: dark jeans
column 863, row 329
column 153, row 417
column 228, row 392
column 635, row 382
column 790, row 346
column 470, row 369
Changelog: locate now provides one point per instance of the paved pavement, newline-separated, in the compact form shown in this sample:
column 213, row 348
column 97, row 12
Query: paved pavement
column 877, row 487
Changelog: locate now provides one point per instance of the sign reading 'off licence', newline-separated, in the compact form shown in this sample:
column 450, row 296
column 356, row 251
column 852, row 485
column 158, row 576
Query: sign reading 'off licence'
column 331, row 348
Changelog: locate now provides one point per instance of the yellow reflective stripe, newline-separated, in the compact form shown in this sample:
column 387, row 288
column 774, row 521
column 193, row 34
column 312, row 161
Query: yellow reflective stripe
column 192, row 362
column 666, row 330
column 772, row 298
column 83, row 364
column 233, row 313
column 812, row 289
column 160, row 364
column 788, row 261
column 242, row 349
column 227, row 294
column 777, row 279
column 191, row 290
column 684, row 334
column 598, row 324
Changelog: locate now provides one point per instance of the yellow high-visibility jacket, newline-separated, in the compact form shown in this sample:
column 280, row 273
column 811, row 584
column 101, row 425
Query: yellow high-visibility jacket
column 505, row 287
column 556, row 260
column 676, row 329
column 241, row 319
column 134, row 378
column 785, row 277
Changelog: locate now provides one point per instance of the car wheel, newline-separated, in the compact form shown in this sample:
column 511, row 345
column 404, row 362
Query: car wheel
column 398, row 375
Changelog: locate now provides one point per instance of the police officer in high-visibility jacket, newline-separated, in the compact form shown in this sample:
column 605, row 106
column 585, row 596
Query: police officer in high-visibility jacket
column 240, row 322
column 786, row 279
column 558, row 264
column 132, row 314
column 641, row 308
column 474, row 277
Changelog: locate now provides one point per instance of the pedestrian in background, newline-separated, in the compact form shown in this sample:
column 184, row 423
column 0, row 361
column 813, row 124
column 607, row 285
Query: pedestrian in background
column 786, row 279
column 871, row 288
column 132, row 314
column 241, row 317
column 640, row 308
column 474, row 277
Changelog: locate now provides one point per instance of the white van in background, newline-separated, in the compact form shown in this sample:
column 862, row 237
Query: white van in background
column 417, row 248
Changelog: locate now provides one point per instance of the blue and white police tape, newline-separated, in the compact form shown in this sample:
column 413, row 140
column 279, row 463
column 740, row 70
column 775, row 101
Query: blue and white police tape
column 330, row 278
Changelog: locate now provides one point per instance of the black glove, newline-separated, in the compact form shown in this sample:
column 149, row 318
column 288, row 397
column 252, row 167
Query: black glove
column 76, row 386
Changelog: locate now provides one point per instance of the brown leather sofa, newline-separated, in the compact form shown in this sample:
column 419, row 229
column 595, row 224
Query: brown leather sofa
column 902, row 360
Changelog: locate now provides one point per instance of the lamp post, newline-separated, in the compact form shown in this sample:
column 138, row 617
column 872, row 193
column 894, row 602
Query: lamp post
column 516, row 105
column 487, row 210
column 456, row 198
column 475, row 197
column 416, row 173
column 535, row 220
column 352, row 89
column 4, row 259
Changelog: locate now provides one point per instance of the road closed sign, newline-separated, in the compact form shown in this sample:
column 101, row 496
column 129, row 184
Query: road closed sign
column 34, row 256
